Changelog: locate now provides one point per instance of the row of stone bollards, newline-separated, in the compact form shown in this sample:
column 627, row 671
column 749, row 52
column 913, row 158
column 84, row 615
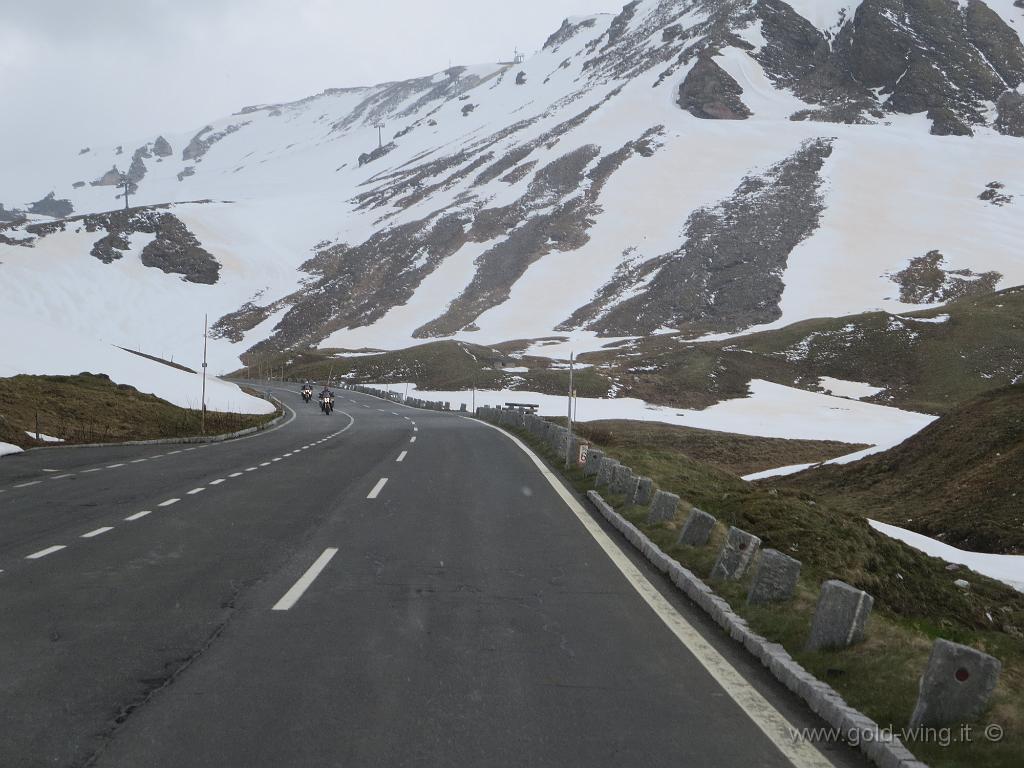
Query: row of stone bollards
column 396, row 397
column 958, row 680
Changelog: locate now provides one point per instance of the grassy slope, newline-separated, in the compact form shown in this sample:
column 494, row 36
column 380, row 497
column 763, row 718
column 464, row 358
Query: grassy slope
column 438, row 365
column 91, row 408
column 958, row 480
column 929, row 367
column 916, row 600
column 739, row 454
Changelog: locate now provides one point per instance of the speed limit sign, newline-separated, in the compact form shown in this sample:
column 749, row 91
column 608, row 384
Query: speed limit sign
column 584, row 448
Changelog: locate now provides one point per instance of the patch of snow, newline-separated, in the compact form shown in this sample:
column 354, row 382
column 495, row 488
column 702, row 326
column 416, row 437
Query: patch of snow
column 936, row 319
column 32, row 353
column 851, row 389
column 44, row 438
column 771, row 410
column 7, row 448
column 826, row 15
column 1008, row 569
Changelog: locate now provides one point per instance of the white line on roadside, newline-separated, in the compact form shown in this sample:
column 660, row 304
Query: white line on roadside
column 138, row 515
column 378, row 488
column 168, row 502
column 26, row 485
column 218, row 481
column 251, row 469
column 278, row 458
column 114, row 466
column 288, row 454
column 60, row 477
column 772, row 722
column 194, row 491
column 139, row 461
column 291, row 597
column 51, row 470
column 94, row 469
column 401, row 456
column 45, row 552
column 171, row 453
column 265, row 464
column 235, row 474
column 97, row 532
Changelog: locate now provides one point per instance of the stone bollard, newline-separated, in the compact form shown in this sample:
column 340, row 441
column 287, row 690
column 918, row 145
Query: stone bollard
column 736, row 555
column 462, row 408
column 629, row 487
column 644, row 492
column 605, row 470
column 619, row 476
column 663, row 507
column 955, row 687
column 840, row 617
column 594, row 457
column 774, row 578
column 697, row 529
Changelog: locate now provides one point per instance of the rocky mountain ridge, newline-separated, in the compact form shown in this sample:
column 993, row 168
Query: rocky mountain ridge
column 694, row 166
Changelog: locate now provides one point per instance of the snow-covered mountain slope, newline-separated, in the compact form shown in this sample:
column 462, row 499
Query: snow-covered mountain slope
column 698, row 165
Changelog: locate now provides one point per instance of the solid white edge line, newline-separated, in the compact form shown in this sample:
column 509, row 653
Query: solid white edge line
column 291, row 597
column 45, row 552
column 401, row 456
column 138, row 515
column 754, row 705
column 377, row 488
column 97, row 532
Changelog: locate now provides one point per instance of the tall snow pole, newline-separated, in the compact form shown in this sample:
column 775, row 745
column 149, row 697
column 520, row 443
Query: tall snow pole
column 124, row 183
column 206, row 320
column 568, row 445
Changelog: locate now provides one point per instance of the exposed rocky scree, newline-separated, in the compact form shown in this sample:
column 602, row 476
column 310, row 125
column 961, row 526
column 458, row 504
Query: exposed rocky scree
column 710, row 92
column 49, row 206
column 925, row 281
column 355, row 286
column 995, row 195
column 946, row 59
column 174, row 249
column 206, row 138
column 728, row 273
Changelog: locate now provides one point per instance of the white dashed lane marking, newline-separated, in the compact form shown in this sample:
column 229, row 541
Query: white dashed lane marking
column 139, row 461
column 218, row 481
column 194, row 491
column 114, row 466
column 138, row 515
column 401, row 456
column 168, row 502
column 251, row 469
column 412, row 439
column 291, row 597
column 97, row 532
column 235, row 474
column 26, row 485
column 377, row 488
column 45, row 552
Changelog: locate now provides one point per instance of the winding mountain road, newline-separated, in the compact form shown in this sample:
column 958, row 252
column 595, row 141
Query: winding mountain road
column 384, row 586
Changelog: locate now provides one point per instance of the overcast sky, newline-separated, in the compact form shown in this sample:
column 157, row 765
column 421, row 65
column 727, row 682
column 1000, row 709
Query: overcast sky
column 98, row 72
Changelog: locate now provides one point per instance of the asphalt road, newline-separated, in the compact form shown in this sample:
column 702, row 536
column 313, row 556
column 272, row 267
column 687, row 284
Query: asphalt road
column 383, row 586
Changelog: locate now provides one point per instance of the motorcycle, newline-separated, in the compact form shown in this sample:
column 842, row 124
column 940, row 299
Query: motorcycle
column 327, row 405
column 307, row 395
